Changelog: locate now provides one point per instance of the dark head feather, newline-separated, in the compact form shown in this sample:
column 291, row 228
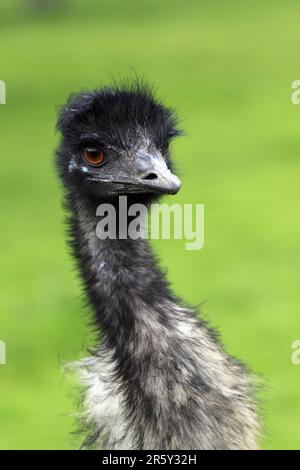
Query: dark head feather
column 118, row 115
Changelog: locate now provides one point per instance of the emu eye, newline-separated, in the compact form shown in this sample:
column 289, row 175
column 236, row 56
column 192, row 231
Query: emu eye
column 93, row 156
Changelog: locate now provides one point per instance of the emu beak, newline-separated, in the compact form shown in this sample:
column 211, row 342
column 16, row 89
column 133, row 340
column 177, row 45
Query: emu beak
column 154, row 175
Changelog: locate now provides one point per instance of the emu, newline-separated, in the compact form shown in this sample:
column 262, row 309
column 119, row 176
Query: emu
column 159, row 378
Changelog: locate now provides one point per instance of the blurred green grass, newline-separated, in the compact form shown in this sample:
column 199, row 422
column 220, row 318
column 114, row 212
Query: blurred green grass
column 228, row 68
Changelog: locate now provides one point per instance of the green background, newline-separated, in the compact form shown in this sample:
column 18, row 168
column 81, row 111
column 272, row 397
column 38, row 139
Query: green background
column 227, row 67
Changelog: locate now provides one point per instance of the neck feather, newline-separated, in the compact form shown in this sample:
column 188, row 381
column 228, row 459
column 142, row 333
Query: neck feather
column 121, row 277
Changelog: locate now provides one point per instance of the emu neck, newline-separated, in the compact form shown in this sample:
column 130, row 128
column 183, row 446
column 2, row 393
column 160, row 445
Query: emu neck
column 121, row 277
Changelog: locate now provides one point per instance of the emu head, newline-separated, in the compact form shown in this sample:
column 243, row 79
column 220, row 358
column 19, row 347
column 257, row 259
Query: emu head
column 116, row 141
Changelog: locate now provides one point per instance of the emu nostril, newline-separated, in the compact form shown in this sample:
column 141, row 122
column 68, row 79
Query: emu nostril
column 150, row 176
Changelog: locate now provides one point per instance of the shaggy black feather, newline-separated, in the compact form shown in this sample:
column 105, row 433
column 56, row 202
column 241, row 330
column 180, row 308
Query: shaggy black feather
column 160, row 379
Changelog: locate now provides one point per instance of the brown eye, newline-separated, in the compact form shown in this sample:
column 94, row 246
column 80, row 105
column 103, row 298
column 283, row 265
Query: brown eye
column 93, row 156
